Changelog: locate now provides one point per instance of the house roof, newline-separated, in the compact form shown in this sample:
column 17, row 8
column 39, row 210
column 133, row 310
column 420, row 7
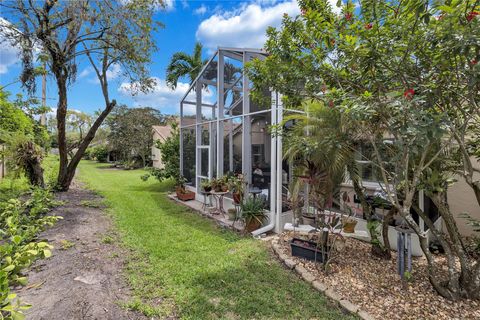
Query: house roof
column 163, row 131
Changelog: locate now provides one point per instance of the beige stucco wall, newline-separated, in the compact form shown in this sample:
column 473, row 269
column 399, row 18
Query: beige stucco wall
column 156, row 155
column 462, row 199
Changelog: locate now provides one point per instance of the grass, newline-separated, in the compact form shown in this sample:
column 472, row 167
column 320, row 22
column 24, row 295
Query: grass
column 185, row 265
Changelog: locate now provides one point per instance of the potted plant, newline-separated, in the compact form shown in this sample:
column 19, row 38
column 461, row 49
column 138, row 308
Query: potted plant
column 207, row 186
column 308, row 217
column 236, row 184
column 224, row 183
column 216, row 185
column 349, row 222
column 182, row 193
column 253, row 213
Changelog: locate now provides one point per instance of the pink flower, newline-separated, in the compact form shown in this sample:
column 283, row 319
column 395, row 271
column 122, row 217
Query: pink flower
column 409, row 93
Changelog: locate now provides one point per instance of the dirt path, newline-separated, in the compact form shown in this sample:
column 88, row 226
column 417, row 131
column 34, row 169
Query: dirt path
column 83, row 278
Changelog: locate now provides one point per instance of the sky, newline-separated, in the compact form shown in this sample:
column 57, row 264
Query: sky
column 213, row 23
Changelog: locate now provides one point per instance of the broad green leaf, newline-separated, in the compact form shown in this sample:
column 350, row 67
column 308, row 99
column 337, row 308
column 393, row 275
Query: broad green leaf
column 47, row 253
column 9, row 268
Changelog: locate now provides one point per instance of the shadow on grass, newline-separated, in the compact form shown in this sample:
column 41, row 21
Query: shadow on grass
column 257, row 289
column 162, row 187
column 193, row 219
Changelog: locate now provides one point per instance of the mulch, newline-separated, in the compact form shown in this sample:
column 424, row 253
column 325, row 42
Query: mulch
column 375, row 286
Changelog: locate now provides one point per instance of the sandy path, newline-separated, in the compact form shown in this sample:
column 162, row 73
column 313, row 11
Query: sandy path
column 83, row 278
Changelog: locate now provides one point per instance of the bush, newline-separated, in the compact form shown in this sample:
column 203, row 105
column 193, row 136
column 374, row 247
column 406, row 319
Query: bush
column 99, row 153
column 20, row 222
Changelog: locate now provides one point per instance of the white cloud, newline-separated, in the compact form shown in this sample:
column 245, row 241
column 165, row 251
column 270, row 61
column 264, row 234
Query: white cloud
column 113, row 73
column 169, row 4
column 245, row 26
column 162, row 97
column 9, row 55
column 85, row 72
column 201, row 10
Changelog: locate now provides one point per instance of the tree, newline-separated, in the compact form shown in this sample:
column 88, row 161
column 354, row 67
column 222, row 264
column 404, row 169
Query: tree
column 185, row 65
column 18, row 132
column 131, row 132
column 170, row 153
column 407, row 74
column 106, row 32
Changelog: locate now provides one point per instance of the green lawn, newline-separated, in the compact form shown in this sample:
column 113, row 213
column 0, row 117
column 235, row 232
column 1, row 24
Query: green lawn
column 184, row 263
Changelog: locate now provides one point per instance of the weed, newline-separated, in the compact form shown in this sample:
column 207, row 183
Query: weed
column 65, row 244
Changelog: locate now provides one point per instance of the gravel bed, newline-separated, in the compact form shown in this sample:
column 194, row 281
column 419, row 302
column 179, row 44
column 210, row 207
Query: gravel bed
column 374, row 285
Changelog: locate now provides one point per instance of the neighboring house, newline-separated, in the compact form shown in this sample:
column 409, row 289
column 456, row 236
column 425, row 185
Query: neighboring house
column 160, row 133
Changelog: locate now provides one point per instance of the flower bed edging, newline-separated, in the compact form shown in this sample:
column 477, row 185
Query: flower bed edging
column 318, row 285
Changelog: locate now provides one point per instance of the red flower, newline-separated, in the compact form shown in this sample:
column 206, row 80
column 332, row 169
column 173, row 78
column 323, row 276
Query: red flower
column 330, row 103
column 368, row 26
column 332, row 42
column 348, row 16
column 473, row 61
column 409, row 93
column 472, row 15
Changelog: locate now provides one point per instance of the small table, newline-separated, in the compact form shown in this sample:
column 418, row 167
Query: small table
column 206, row 195
column 255, row 191
column 218, row 196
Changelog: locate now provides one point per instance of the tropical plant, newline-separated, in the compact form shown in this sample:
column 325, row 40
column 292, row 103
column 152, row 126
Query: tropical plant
column 253, row 212
column 185, row 65
column 407, row 75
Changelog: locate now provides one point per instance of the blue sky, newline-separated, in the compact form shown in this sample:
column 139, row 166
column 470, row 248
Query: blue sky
column 214, row 23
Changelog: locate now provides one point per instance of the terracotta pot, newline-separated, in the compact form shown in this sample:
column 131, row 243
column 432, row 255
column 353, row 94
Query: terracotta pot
column 309, row 220
column 185, row 195
column 224, row 188
column 349, row 227
column 252, row 225
column 237, row 197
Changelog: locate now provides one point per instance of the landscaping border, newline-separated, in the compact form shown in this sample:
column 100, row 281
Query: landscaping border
column 318, row 285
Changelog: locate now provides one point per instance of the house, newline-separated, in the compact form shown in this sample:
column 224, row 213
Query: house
column 160, row 133
column 223, row 130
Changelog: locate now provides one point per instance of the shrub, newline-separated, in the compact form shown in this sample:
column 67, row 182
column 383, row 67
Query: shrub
column 20, row 222
column 99, row 153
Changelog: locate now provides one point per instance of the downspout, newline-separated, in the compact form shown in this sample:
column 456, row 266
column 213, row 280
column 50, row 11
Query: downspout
column 273, row 174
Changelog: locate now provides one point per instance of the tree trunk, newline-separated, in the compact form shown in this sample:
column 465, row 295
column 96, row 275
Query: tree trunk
column 31, row 162
column 377, row 249
column 65, row 181
column 61, row 130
